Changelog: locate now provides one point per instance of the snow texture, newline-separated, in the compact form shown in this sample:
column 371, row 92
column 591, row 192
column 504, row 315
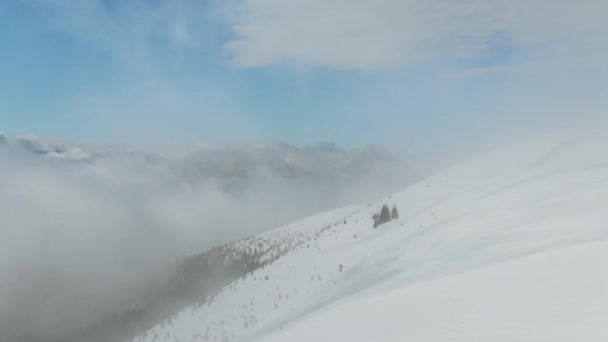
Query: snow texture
column 507, row 247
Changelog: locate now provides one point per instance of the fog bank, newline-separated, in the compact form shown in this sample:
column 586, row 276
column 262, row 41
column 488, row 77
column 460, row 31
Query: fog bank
column 87, row 229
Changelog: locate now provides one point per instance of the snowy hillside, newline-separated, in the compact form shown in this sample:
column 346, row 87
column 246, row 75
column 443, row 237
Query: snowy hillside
column 508, row 247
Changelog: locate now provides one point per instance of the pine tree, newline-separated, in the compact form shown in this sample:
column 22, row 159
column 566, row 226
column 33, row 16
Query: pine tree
column 385, row 214
column 394, row 213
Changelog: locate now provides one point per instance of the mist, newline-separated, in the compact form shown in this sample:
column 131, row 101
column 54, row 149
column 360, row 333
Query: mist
column 92, row 225
column 88, row 229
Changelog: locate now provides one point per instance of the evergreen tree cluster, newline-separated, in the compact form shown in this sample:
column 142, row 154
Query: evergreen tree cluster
column 385, row 215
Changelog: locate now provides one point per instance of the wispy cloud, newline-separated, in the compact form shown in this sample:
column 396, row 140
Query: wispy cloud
column 364, row 34
column 145, row 81
column 132, row 32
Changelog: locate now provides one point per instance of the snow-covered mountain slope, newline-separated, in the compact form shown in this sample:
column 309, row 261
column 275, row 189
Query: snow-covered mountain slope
column 508, row 247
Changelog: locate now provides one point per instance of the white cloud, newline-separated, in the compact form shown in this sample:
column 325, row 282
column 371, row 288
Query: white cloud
column 75, row 154
column 369, row 34
column 129, row 32
column 156, row 89
column 50, row 149
column 87, row 238
column 34, row 144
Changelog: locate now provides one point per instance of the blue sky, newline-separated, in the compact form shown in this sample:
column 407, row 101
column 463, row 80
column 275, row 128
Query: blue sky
column 246, row 70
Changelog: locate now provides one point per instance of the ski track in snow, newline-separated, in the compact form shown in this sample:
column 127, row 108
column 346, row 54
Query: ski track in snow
column 507, row 247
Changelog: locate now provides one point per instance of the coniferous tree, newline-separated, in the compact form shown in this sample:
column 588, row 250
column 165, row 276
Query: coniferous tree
column 385, row 214
column 382, row 217
column 394, row 213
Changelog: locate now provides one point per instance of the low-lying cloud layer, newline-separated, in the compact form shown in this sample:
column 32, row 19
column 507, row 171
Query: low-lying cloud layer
column 87, row 229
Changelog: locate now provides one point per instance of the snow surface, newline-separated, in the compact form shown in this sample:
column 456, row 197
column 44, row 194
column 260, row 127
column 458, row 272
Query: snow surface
column 508, row 247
